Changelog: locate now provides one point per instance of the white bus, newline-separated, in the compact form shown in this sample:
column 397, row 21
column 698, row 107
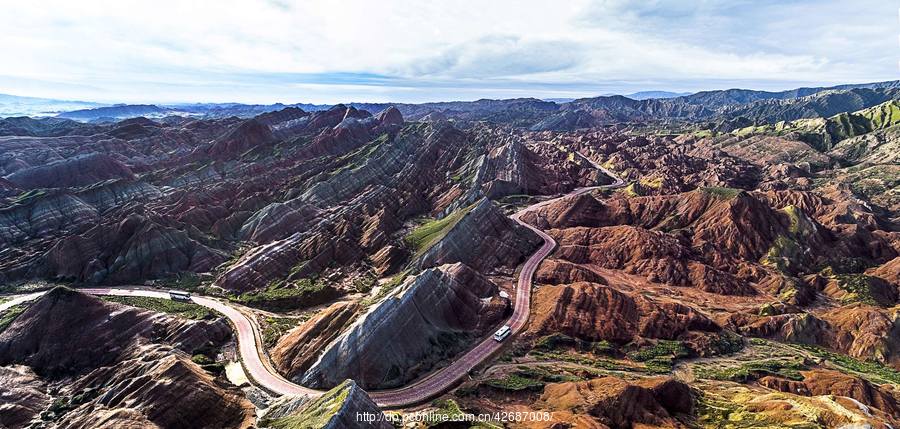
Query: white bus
column 502, row 333
column 179, row 295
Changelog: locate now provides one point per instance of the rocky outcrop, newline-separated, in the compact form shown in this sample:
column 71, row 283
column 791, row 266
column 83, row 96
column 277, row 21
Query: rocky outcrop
column 390, row 116
column 279, row 220
column 724, row 241
column 616, row 403
column 23, row 398
column 249, row 135
column 889, row 271
column 298, row 349
column 655, row 255
column 829, row 382
column 132, row 368
column 339, row 408
column 389, row 260
column 73, row 172
column 41, row 216
column 864, row 332
column 50, row 337
column 127, row 251
column 595, row 312
column 439, row 311
column 861, row 331
column 515, row 168
column 556, row 271
column 483, row 239
column 727, row 221
column 152, row 387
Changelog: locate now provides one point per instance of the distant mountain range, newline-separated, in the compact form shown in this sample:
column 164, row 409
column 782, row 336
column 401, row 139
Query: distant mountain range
column 732, row 108
column 646, row 95
column 13, row 105
column 208, row 110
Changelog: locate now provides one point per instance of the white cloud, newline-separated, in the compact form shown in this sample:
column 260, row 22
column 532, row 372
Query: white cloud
column 324, row 51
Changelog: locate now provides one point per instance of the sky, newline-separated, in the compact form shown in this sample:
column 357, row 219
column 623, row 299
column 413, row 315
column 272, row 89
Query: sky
column 266, row 51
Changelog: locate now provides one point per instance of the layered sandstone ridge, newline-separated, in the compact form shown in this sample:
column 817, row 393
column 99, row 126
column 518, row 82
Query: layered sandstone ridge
column 438, row 311
column 132, row 368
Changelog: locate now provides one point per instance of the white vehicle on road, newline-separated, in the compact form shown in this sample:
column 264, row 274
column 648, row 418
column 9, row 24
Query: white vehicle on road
column 502, row 333
column 179, row 295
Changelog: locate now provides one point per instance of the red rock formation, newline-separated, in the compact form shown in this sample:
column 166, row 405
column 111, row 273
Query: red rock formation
column 829, row 382
column 655, row 255
column 616, row 403
column 889, row 271
column 389, row 116
column 132, row 368
column 440, row 311
column 594, row 312
column 297, row 350
column 23, row 398
column 250, row 134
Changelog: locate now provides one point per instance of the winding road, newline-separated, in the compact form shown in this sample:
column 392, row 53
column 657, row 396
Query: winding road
column 261, row 372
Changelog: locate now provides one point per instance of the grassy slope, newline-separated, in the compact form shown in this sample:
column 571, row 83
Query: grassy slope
column 426, row 235
column 181, row 309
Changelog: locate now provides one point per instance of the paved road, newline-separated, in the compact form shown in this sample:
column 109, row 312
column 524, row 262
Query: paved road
column 259, row 368
column 440, row 381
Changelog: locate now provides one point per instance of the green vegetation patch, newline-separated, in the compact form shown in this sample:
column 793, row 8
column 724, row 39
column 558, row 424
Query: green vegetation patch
column 871, row 370
column 357, row 158
column 62, row 405
column 783, row 255
column 275, row 327
column 720, row 192
column 727, row 343
column 287, row 296
column 207, row 363
column 186, row 310
column 858, row 288
column 844, row 265
column 10, row 315
column 659, row 357
column 387, row 288
column 717, row 412
column 557, row 340
column 316, row 414
column 27, row 197
column 364, row 283
column 542, row 374
column 429, row 233
column 748, row 371
column 655, row 182
column 600, row 364
column 794, row 217
column 201, row 359
column 515, row 383
column 185, row 281
column 632, row 190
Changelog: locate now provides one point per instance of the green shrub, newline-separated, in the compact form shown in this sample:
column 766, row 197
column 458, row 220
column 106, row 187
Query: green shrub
column 874, row 371
column 201, row 359
column 784, row 368
column 429, row 233
column 659, row 357
column 662, row 348
column 186, row 310
column 514, row 382
column 289, row 296
column 8, row 316
column 720, row 192
column 553, row 341
column 275, row 327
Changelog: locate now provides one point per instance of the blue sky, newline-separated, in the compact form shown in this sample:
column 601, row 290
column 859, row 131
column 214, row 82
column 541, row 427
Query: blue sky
column 414, row 51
